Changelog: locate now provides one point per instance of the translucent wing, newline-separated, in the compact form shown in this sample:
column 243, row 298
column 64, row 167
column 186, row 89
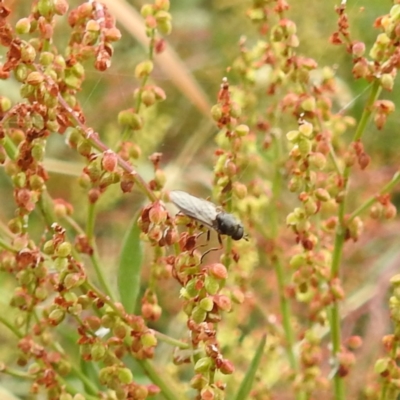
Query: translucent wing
column 198, row 209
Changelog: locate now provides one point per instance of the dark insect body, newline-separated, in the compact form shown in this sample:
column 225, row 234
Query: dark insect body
column 208, row 214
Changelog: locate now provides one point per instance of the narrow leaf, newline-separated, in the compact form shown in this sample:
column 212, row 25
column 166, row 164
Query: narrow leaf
column 247, row 382
column 130, row 267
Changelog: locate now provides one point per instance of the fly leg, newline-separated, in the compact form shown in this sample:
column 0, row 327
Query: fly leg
column 202, row 245
column 214, row 248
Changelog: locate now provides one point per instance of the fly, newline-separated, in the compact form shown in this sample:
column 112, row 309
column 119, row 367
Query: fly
column 208, row 214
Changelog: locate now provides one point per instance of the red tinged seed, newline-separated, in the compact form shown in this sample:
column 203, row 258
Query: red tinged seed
column 162, row 4
column 363, row 160
column 390, row 211
column 23, row 26
column 322, row 194
column 354, row 342
column 361, row 69
column 226, row 367
column 60, row 7
column 230, row 169
column 218, row 271
column 237, row 295
column 93, row 322
column 109, row 161
column 208, row 393
column 159, row 93
column 94, row 195
column 151, row 312
column 160, row 45
column 358, row 49
column 157, row 214
column 223, row 302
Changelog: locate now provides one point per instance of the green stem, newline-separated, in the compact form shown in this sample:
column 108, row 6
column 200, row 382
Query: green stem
column 6, row 246
column 286, row 314
column 367, row 204
column 100, row 272
column 161, row 380
column 11, row 327
column 95, row 256
column 90, row 222
column 340, row 239
column 276, row 261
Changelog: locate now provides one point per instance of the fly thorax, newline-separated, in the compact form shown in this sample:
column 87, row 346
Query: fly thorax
column 227, row 224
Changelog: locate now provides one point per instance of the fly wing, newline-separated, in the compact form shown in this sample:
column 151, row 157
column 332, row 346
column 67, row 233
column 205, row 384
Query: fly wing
column 199, row 209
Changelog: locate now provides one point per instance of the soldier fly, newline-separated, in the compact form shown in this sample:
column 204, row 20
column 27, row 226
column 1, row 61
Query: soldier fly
column 208, row 214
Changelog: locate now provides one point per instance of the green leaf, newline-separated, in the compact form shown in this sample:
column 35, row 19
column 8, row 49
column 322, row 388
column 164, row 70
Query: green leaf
column 130, row 267
column 248, row 380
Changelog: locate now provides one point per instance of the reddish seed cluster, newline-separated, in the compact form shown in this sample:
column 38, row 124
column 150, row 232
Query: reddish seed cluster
column 156, row 223
column 94, row 33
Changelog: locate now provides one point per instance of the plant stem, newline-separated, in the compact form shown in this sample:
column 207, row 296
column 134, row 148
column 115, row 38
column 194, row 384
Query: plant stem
column 367, row 204
column 340, row 239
